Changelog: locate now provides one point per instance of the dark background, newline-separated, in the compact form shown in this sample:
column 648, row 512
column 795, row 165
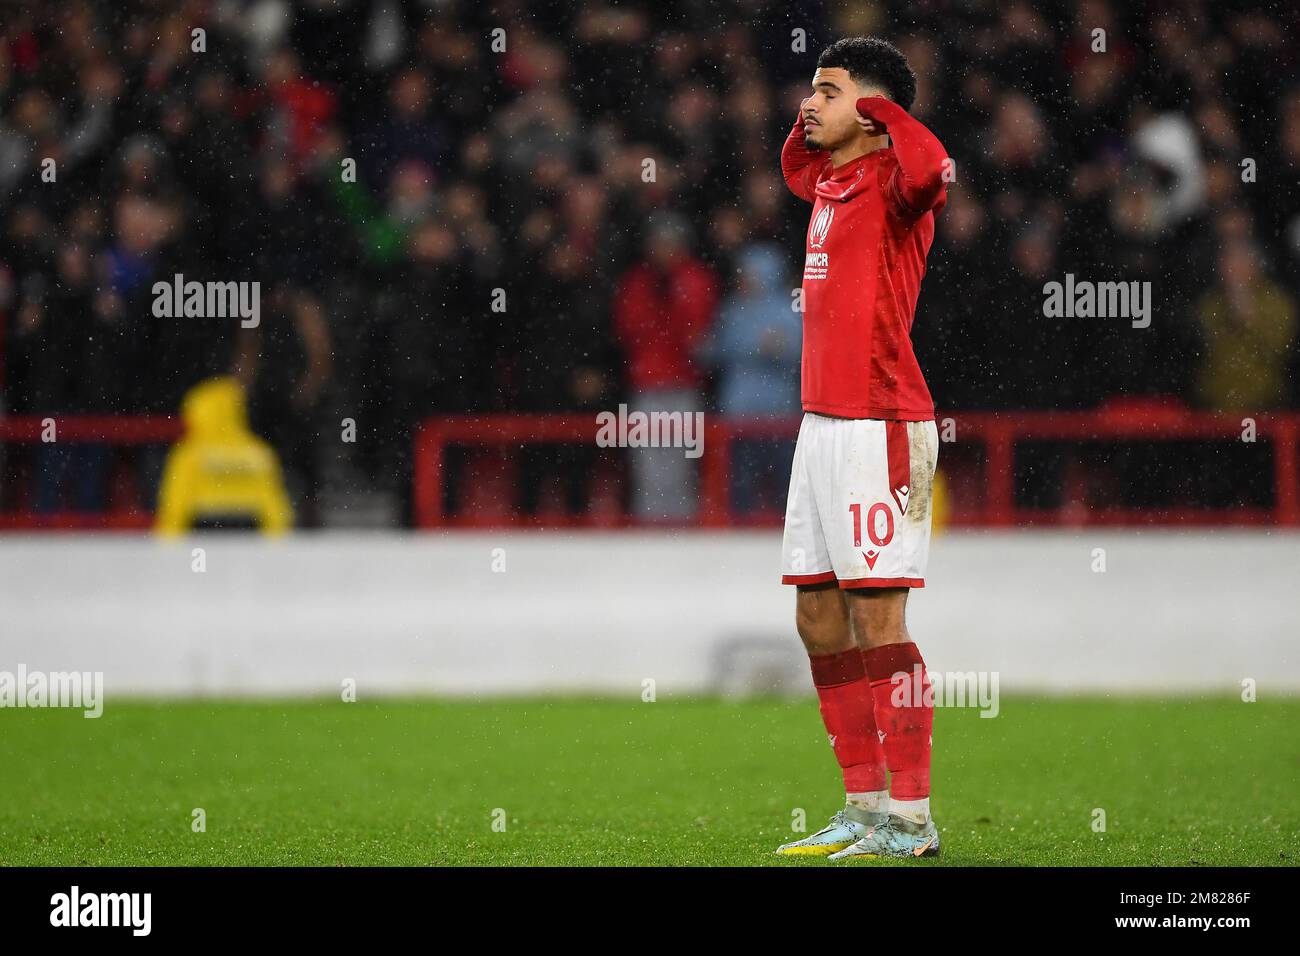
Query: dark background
column 521, row 170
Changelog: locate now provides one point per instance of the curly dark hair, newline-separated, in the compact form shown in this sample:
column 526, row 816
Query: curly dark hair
column 873, row 60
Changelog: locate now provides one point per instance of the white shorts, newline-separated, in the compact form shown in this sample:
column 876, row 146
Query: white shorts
column 859, row 505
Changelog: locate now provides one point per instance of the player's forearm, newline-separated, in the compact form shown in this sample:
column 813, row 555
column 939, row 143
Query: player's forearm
column 920, row 154
column 796, row 158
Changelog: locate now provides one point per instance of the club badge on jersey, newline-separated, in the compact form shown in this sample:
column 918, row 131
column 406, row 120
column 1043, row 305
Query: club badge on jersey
column 817, row 263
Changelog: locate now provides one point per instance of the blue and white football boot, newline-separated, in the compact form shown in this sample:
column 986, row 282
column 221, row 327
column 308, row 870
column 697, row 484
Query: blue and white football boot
column 894, row 837
column 846, row 828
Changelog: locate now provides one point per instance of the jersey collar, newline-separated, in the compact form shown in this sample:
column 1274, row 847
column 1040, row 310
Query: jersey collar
column 842, row 183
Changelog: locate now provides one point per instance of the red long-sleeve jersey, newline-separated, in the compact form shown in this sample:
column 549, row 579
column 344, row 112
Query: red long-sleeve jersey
column 871, row 228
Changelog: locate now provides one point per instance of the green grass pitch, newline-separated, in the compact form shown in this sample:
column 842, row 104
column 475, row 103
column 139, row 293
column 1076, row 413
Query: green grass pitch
column 690, row 781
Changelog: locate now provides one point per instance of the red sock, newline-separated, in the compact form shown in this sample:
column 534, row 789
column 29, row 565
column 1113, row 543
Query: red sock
column 905, row 712
column 850, row 718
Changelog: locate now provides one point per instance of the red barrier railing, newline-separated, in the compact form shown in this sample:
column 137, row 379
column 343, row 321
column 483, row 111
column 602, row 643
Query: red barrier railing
column 105, row 429
column 993, row 436
column 988, row 440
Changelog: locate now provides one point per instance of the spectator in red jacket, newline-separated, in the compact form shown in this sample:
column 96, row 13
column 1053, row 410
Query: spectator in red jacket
column 663, row 306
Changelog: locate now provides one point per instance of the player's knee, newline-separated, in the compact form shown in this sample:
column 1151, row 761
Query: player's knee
column 878, row 616
column 821, row 619
column 806, row 622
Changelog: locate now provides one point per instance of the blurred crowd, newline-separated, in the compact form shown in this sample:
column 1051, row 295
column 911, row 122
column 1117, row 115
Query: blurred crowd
column 564, row 206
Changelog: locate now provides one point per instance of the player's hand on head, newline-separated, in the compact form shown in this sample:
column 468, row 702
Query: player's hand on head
column 872, row 127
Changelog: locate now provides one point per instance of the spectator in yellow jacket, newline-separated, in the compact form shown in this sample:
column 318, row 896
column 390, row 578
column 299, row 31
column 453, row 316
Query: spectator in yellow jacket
column 1249, row 326
column 220, row 468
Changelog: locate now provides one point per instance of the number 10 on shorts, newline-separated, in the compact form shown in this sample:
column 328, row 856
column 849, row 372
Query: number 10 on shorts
column 878, row 538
